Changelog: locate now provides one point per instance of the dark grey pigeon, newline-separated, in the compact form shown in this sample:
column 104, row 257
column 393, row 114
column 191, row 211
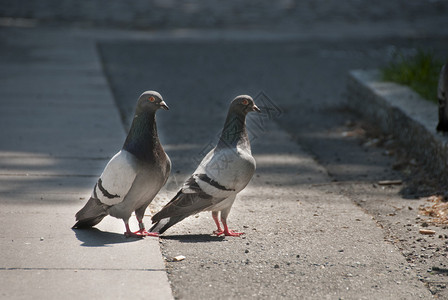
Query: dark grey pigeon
column 442, row 95
column 222, row 174
column 134, row 176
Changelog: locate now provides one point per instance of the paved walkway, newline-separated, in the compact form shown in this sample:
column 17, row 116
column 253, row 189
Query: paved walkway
column 58, row 127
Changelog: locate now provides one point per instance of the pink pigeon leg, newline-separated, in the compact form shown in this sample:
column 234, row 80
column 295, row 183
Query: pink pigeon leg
column 227, row 231
column 138, row 234
column 219, row 231
column 129, row 233
column 142, row 231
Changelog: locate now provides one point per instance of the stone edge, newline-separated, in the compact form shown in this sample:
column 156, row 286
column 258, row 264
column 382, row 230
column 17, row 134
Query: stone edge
column 399, row 111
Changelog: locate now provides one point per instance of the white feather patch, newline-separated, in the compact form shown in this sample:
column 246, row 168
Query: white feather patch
column 117, row 178
column 231, row 169
column 213, row 191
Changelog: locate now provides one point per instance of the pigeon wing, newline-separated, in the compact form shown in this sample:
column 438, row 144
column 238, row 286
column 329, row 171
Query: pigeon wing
column 116, row 179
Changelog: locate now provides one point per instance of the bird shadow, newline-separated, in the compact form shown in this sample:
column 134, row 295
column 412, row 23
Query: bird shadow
column 93, row 237
column 194, row 238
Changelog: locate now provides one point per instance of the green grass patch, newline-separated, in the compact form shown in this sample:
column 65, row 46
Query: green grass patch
column 420, row 72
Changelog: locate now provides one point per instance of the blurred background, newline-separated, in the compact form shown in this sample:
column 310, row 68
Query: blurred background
column 286, row 15
column 201, row 54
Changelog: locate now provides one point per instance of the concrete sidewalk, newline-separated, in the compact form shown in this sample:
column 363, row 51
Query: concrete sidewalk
column 59, row 126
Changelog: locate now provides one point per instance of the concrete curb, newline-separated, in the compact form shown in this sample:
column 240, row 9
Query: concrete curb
column 401, row 112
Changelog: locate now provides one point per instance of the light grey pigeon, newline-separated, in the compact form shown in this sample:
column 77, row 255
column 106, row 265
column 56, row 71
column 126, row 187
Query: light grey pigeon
column 222, row 174
column 442, row 95
column 134, row 176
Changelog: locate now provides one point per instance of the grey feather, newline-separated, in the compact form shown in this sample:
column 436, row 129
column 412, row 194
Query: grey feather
column 134, row 176
column 162, row 225
column 91, row 214
column 221, row 175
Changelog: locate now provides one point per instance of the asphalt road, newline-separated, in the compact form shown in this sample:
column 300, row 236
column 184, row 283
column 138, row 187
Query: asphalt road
column 304, row 235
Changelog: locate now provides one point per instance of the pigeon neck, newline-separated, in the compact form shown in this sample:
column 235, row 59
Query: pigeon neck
column 142, row 140
column 234, row 132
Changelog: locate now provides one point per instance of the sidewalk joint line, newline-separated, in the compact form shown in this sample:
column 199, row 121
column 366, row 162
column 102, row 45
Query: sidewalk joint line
column 79, row 269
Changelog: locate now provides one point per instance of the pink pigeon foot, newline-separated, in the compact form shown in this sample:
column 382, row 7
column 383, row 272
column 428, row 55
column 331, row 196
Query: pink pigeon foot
column 229, row 232
column 138, row 234
column 226, row 231
column 218, row 232
column 133, row 234
column 143, row 232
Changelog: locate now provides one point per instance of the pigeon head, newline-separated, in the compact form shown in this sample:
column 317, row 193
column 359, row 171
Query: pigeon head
column 150, row 101
column 243, row 104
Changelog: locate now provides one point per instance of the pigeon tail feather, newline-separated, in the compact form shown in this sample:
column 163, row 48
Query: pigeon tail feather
column 180, row 207
column 91, row 214
column 162, row 225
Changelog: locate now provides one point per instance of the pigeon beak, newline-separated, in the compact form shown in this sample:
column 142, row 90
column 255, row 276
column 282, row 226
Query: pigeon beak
column 164, row 106
column 255, row 108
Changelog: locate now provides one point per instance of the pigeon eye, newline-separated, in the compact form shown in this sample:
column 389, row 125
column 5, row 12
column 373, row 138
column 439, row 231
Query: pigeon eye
column 245, row 102
column 151, row 99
